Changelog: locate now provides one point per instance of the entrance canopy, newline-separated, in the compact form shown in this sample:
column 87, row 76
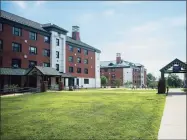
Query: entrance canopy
column 177, row 67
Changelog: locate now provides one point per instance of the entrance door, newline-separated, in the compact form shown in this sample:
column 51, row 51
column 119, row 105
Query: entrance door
column 77, row 81
column 71, row 81
column 33, row 81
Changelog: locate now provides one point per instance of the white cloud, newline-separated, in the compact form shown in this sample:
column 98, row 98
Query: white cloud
column 38, row 3
column 24, row 4
column 109, row 13
column 21, row 4
column 115, row 3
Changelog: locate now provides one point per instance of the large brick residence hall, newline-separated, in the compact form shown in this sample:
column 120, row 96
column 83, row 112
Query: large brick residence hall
column 124, row 71
column 30, row 52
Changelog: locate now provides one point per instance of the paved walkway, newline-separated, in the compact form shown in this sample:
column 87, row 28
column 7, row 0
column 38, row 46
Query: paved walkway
column 173, row 124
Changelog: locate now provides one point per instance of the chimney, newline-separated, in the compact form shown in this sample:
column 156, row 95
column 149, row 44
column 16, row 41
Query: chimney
column 75, row 33
column 118, row 58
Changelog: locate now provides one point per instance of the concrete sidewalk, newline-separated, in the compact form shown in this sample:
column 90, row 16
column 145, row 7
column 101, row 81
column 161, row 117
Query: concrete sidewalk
column 173, row 124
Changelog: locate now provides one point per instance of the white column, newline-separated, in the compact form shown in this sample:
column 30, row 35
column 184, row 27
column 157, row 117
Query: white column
column 75, row 81
column 66, row 81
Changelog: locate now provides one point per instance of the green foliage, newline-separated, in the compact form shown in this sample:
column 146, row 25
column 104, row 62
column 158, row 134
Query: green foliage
column 104, row 80
column 85, row 114
column 118, row 82
column 128, row 84
column 151, row 81
column 174, row 81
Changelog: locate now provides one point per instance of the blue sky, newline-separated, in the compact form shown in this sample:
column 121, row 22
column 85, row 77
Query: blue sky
column 150, row 33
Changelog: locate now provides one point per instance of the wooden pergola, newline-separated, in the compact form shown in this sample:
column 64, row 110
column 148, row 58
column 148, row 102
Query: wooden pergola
column 178, row 67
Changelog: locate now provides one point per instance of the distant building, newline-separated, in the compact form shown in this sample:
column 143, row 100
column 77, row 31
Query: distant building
column 124, row 70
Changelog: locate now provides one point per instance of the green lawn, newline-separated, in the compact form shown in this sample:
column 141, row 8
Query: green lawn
column 85, row 114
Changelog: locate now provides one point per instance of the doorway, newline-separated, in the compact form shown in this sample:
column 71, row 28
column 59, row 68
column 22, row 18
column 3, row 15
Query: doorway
column 77, row 82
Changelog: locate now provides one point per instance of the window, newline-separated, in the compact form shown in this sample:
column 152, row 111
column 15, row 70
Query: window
column 113, row 76
column 112, row 70
column 57, row 54
column 78, row 70
column 79, row 50
column 70, row 58
column 85, row 52
column 1, row 27
column 105, row 70
column 32, row 50
column 16, row 31
column 85, row 61
column 57, row 67
column 32, row 64
column 32, row 36
column 86, row 81
column 46, row 52
column 16, row 63
column 70, row 48
column 46, row 39
column 46, row 64
column 71, row 69
column 1, row 45
column 57, row 42
column 16, row 47
column 1, row 61
column 57, row 80
column 86, row 71
column 78, row 60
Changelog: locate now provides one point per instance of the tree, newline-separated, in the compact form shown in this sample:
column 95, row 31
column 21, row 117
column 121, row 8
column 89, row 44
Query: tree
column 118, row 82
column 151, row 81
column 128, row 83
column 173, row 80
column 104, row 81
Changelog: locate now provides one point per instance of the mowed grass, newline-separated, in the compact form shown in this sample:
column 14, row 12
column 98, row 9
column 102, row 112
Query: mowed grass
column 84, row 114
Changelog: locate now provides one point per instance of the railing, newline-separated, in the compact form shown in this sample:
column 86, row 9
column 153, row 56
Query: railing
column 19, row 90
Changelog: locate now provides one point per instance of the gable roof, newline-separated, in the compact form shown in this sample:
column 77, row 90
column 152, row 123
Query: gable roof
column 81, row 44
column 50, row 71
column 175, row 61
column 123, row 64
column 21, row 20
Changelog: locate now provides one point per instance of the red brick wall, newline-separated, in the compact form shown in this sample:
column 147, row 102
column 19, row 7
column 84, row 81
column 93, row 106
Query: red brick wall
column 136, row 78
column 118, row 73
column 8, row 54
column 90, row 66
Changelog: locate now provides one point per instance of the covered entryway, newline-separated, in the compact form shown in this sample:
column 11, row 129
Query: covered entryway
column 177, row 67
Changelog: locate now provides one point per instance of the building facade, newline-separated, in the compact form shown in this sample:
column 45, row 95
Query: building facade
column 126, row 72
column 25, row 44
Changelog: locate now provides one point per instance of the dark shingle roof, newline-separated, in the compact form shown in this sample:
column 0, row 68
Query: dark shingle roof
column 48, row 71
column 21, row 20
column 12, row 71
column 124, row 64
column 81, row 44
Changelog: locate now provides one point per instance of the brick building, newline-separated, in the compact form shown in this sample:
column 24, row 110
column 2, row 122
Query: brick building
column 124, row 71
column 25, row 44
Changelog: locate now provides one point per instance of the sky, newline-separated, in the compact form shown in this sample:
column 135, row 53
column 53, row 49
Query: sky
column 152, row 33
